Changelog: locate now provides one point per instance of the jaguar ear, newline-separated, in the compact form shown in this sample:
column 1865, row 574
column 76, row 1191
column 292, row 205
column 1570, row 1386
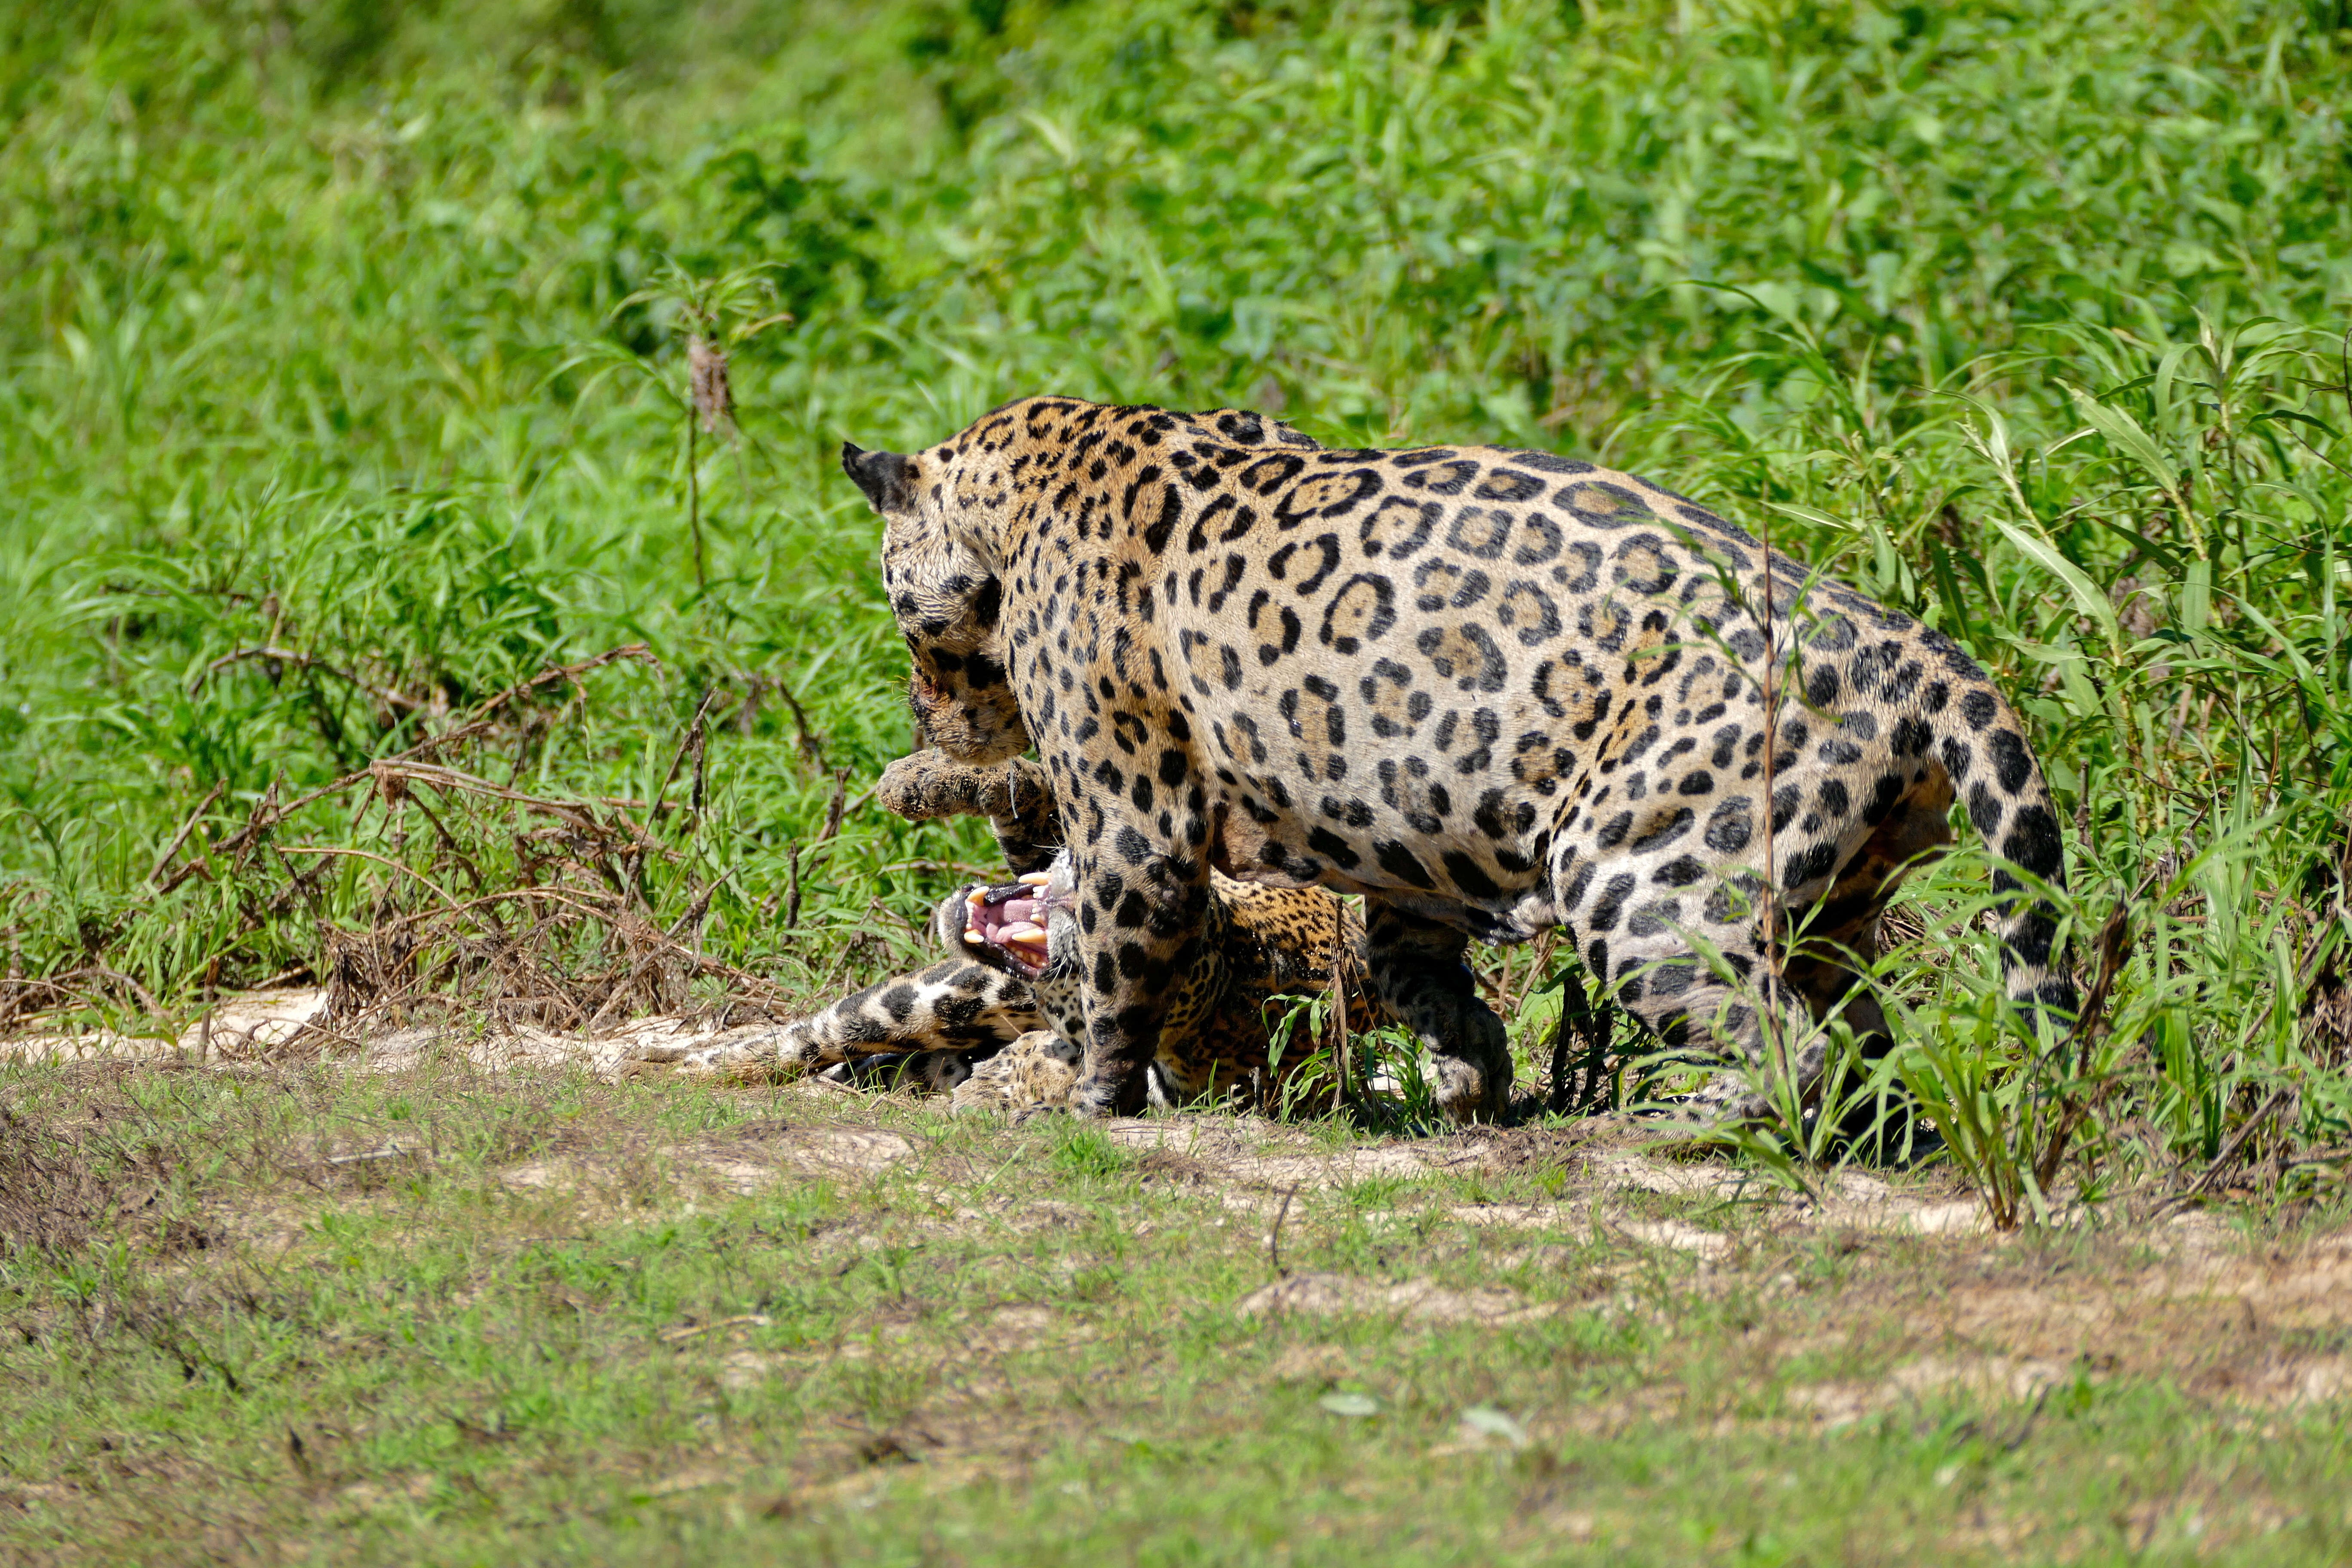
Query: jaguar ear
column 887, row 478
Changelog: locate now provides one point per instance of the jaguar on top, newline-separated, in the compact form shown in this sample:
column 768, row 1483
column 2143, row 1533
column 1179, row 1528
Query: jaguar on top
column 1491, row 690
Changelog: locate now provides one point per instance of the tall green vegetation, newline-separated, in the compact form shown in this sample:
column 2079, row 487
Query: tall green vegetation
column 2028, row 318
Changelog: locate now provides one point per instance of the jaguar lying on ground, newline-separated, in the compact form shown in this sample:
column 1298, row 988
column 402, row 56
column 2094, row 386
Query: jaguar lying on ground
column 1492, row 690
column 999, row 1023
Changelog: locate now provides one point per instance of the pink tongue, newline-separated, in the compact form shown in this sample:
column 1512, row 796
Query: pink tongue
column 1013, row 912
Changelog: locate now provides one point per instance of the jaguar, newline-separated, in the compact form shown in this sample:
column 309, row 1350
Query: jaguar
column 1493, row 691
column 998, row 1024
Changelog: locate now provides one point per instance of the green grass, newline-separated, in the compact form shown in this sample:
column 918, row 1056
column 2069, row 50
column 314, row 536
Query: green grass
column 342, row 368
column 566, row 1324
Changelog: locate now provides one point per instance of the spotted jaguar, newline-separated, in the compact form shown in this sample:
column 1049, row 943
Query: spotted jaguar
column 998, row 1023
column 1493, row 691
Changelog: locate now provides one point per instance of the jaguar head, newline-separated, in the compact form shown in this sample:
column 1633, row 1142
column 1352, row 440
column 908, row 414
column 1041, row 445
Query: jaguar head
column 946, row 595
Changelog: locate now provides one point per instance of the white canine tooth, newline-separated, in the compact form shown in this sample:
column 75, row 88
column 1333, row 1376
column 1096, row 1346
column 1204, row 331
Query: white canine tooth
column 1019, row 931
column 975, row 898
column 1036, row 878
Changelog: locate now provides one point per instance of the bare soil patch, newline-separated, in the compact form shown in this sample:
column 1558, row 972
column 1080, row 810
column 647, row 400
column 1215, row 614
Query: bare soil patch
column 1415, row 1301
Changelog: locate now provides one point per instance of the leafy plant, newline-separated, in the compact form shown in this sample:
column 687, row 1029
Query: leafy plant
column 310, row 328
column 715, row 317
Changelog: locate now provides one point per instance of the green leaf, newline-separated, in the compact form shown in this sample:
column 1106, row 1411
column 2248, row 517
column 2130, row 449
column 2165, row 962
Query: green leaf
column 2167, row 559
column 2048, row 653
column 2296, row 416
column 2123, row 434
column 2164, row 371
column 2087, row 597
column 2197, row 596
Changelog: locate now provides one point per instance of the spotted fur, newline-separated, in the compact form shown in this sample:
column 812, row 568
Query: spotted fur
column 979, row 1025
column 1037, row 1071
column 1492, row 690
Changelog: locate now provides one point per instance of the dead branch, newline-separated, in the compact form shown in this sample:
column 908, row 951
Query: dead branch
column 2227, row 1160
column 571, row 672
column 186, row 827
column 811, row 748
column 299, row 660
column 380, row 859
column 2090, row 1025
column 268, row 812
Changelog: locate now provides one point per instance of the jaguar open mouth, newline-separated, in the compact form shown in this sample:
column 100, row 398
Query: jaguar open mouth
column 1010, row 919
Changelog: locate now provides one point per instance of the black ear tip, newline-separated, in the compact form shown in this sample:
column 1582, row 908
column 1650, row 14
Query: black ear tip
column 883, row 476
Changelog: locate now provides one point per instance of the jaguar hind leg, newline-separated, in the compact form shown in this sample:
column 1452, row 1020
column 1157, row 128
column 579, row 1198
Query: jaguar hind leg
column 1842, row 938
column 1418, row 974
column 1697, row 971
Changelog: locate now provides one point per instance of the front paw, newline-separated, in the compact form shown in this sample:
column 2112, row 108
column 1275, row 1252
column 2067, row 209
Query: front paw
column 1097, row 1095
column 929, row 785
column 1112, row 1088
column 726, row 1061
column 1727, row 1100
